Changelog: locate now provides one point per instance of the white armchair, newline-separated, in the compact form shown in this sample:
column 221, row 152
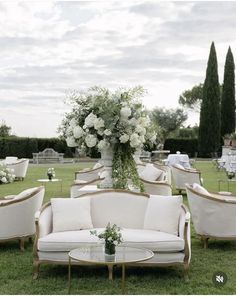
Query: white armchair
column 17, row 215
column 166, row 169
column 213, row 214
column 74, row 188
column 20, row 167
column 157, row 187
column 181, row 176
column 88, row 174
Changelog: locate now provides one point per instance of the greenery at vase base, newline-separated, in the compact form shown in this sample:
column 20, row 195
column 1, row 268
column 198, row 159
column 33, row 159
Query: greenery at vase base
column 124, row 170
column 111, row 236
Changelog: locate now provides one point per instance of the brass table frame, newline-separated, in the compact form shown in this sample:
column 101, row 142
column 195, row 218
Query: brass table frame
column 110, row 265
column 228, row 181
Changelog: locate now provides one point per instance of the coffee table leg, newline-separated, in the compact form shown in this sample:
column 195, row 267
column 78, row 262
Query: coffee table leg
column 69, row 275
column 123, row 279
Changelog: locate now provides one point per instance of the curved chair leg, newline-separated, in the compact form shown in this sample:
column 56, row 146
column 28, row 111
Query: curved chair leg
column 36, row 266
column 180, row 191
column 186, row 270
column 22, row 244
column 110, row 271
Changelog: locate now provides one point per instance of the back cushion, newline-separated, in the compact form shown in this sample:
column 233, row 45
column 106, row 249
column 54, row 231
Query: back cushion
column 200, row 189
column 163, row 213
column 179, row 166
column 121, row 208
column 151, row 173
column 71, row 214
column 26, row 193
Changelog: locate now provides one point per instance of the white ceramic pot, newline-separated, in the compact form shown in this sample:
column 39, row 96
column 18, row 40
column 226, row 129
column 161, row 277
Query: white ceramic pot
column 106, row 161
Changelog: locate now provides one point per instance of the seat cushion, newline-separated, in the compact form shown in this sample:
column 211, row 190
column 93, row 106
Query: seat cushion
column 153, row 240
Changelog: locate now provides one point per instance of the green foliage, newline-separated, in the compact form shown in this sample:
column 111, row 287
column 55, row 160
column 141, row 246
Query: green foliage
column 189, row 132
column 192, row 98
column 124, row 168
column 209, row 128
column 24, row 147
column 168, row 120
column 228, row 96
column 5, row 130
column 188, row 146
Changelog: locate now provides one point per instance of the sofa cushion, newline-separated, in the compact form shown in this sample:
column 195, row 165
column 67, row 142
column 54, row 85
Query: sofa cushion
column 151, row 173
column 179, row 166
column 153, row 240
column 25, row 193
column 162, row 213
column 71, row 214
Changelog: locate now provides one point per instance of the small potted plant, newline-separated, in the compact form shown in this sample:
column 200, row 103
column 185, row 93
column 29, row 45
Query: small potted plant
column 51, row 173
column 227, row 139
column 112, row 237
column 233, row 139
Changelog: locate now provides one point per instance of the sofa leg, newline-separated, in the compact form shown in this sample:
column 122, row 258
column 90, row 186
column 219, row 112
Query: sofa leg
column 22, row 244
column 110, row 271
column 36, row 266
column 205, row 241
column 186, row 270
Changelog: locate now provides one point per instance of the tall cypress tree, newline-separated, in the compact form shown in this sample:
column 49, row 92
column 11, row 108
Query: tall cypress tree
column 228, row 96
column 209, row 128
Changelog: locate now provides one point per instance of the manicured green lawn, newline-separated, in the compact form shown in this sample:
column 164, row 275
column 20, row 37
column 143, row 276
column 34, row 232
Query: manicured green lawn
column 16, row 266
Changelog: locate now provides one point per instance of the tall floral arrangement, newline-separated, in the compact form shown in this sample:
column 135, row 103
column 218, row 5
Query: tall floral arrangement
column 110, row 120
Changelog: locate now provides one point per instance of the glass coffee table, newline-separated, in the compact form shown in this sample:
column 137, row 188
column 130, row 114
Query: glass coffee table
column 44, row 181
column 95, row 255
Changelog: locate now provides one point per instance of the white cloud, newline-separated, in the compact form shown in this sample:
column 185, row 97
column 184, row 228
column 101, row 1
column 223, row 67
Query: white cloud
column 50, row 47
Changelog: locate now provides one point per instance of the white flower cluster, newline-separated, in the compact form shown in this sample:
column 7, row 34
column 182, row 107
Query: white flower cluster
column 101, row 119
column 6, row 175
column 51, row 171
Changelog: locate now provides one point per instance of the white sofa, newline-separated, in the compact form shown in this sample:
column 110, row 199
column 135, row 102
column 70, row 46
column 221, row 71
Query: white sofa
column 213, row 214
column 17, row 214
column 133, row 212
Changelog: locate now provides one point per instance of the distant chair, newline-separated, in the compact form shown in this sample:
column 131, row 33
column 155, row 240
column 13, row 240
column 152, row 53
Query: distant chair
column 89, row 174
column 74, row 188
column 8, row 160
column 20, row 168
column 17, row 215
column 181, row 176
column 157, row 187
column 213, row 214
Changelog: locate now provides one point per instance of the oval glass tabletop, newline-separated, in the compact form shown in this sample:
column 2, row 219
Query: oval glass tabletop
column 95, row 254
column 44, row 180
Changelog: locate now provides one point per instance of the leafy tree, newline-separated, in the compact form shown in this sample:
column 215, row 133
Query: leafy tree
column 228, row 96
column 209, row 128
column 192, row 98
column 4, row 130
column 169, row 120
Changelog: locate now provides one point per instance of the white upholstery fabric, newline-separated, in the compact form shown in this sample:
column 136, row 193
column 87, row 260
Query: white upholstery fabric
column 151, row 173
column 74, row 188
column 157, row 188
column 215, row 218
column 182, row 177
column 17, row 218
column 162, row 213
column 20, row 167
column 88, row 175
column 25, row 193
column 179, row 166
column 71, row 214
column 97, row 165
column 200, row 189
column 153, row 240
column 10, row 160
column 121, row 208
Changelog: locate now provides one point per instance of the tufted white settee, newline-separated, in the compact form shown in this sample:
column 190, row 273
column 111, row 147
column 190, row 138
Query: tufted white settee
column 158, row 223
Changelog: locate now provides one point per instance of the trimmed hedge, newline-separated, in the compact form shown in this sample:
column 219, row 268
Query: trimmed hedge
column 184, row 145
column 23, row 147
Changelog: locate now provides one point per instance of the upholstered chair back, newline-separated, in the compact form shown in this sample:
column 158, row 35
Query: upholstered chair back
column 17, row 214
column 157, row 187
column 89, row 174
column 183, row 176
column 212, row 214
column 20, row 167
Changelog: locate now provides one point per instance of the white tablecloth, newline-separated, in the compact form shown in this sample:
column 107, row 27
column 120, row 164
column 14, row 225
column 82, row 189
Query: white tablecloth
column 228, row 162
column 181, row 159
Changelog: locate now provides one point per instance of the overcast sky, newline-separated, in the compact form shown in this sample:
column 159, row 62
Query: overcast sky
column 47, row 48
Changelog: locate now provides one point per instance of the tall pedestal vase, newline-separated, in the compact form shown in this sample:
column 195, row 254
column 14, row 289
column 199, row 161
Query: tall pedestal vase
column 106, row 161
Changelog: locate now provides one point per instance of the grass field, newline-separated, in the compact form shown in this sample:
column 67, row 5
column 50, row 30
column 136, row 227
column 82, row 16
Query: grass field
column 16, row 266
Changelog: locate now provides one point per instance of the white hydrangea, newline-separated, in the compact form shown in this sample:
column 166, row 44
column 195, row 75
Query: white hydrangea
column 69, row 131
column 135, row 140
column 78, row 132
column 103, row 144
column 4, row 180
column 107, row 132
column 153, row 138
column 90, row 119
column 98, row 123
column 133, row 122
column 144, row 121
column 124, row 138
column 90, row 140
column 71, row 142
column 73, row 123
column 140, row 130
column 125, row 112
